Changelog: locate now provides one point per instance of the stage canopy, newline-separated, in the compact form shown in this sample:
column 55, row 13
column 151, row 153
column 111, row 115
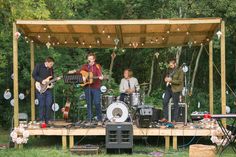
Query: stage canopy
column 155, row 33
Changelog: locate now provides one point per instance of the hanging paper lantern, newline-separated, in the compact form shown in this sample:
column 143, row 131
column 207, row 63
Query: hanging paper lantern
column 21, row 96
column 12, row 102
column 103, row 89
column 227, row 109
column 36, row 101
column 17, row 35
column 7, row 94
column 12, row 76
column 55, row 107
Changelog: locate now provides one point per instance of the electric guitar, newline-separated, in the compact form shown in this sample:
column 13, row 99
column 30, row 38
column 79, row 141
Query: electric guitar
column 41, row 88
column 88, row 78
column 173, row 73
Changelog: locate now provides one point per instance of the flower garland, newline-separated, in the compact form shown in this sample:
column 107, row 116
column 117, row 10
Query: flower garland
column 19, row 135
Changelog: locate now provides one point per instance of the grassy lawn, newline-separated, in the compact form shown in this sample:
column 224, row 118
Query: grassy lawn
column 51, row 147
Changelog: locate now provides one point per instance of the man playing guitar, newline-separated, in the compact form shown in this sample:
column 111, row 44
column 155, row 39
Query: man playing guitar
column 174, row 85
column 42, row 73
column 92, row 91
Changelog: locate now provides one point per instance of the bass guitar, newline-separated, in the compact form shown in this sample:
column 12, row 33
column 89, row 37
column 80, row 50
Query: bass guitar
column 41, row 88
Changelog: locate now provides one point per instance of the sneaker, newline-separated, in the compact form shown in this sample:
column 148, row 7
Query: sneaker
column 99, row 123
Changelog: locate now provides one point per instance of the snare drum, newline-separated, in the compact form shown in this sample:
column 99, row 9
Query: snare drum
column 107, row 100
column 135, row 99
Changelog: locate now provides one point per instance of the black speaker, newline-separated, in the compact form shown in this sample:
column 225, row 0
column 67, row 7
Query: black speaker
column 144, row 116
column 119, row 137
column 182, row 112
column 157, row 115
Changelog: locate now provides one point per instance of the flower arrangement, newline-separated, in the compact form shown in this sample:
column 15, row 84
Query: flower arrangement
column 19, row 135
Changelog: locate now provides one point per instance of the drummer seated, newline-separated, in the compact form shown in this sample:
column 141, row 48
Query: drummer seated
column 128, row 84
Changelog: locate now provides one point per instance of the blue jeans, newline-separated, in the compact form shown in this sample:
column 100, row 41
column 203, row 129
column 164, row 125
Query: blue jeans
column 45, row 102
column 92, row 96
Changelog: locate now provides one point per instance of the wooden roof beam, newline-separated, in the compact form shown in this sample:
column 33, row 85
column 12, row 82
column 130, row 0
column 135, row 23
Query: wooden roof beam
column 96, row 37
column 143, row 31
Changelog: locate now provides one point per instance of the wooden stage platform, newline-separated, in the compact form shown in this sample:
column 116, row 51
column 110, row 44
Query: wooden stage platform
column 167, row 133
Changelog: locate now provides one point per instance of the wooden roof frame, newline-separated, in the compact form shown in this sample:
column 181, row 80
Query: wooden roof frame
column 144, row 33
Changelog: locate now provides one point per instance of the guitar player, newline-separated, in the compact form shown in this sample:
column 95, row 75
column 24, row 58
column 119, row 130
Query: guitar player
column 174, row 85
column 42, row 73
column 92, row 91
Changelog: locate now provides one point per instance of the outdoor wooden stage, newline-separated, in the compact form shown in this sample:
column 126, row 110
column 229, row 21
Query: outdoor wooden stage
column 167, row 133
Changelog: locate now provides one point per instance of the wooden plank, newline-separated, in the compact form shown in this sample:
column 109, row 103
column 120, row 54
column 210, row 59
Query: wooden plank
column 167, row 143
column 32, row 82
column 223, row 73
column 175, row 143
column 211, row 96
column 71, row 138
column 121, row 22
column 15, row 72
column 64, row 142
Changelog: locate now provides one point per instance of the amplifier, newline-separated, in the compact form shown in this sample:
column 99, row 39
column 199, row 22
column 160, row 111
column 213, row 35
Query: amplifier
column 183, row 112
column 119, row 137
column 144, row 116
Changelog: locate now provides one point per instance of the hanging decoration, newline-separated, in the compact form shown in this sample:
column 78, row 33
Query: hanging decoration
column 12, row 102
column 17, row 35
column 135, row 44
column 55, row 107
column 7, row 94
column 48, row 44
column 21, row 96
column 219, row 33
column 12, row 76
column 36, row 101
column 19, row 135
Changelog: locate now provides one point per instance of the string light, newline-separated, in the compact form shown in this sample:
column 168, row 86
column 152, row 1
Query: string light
column 83, row 43
column 49, row 36
column 156, row 39
column 32, row 41
column 65, row 42
column 26, row 37
column 142, row 44
column 44, row 28
column 39, row 36
column 108, row 36
column 98, row 41
column 130, row 44
column 168, row 32
column 90, row 46
column 103, row 31
column 163, row 38
column 187, row 33
column 123, row 50
column 194, row 41
column 178, row 29
column 77, row 42
column 58, row 43
column 151, row 41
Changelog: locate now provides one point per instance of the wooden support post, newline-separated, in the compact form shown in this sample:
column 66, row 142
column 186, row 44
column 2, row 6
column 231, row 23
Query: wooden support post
column 175, row 145
column 32, row 89
column 71, row 141
column 223, row 73
column 167, row 143
column 64, row 142
column 211, row 107
column 15, row 72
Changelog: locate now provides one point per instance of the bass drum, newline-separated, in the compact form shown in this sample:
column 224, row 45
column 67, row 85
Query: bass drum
column 117, row 112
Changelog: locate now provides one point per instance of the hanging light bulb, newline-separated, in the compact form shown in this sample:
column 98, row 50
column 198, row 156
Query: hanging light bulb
column 44, row 28
column 32, row 41
column 142, row 44
column 178, row 29
column 167, row 32
column 187, row 33
column 130, row 44
column 58, row 43
column 151, row 41
column 83, row 43
column 49, row 36
column 39, row 36
column 108, row 36
column 98, row 41
column 90, row 46
column 156, row 39
column 219, row 33
column 123, row 50
column 163, row 38
column 194, row 41
column 65, row 42
column 103, row 31
column 77, row 42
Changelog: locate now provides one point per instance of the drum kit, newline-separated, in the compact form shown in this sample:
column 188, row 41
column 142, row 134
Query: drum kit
column 119, row 111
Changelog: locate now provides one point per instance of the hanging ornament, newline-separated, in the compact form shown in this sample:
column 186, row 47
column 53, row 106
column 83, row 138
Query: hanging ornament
column 17, row 35
column 48, row 44
column 190, row 43
column 219, row 33
column 227, row 109
column 103, row 89
column 36, row 101
column 21, row 96
column 185, row 68
column 135, row 44
column 55, row 107
column 12, row 102
column 7, row 94
column 12, row 76
column 116, row 40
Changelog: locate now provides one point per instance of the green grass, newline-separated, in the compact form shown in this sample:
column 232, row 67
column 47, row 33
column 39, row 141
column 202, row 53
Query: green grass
column 51, row 147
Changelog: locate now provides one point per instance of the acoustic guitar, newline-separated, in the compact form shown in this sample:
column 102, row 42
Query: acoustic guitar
column 88, row 78
column 66, row 110
column 41, row 88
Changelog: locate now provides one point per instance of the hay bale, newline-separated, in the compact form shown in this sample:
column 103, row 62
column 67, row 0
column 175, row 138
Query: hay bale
column 200, row 150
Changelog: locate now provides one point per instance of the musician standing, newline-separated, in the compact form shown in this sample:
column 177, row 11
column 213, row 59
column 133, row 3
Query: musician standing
column 40, row 74
column 174, row 86
column 92, row 91
column 128, row 84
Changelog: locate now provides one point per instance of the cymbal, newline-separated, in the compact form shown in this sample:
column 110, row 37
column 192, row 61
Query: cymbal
column 144, row 84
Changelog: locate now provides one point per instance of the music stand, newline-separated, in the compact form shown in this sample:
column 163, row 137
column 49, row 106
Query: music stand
column 72, row 78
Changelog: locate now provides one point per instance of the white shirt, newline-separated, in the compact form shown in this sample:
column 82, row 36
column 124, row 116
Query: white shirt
column 124, row 84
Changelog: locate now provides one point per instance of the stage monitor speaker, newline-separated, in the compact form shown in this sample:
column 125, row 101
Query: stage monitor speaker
column 182, row 114
column 119, row 137
column 157, row 115
column 144, row 116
